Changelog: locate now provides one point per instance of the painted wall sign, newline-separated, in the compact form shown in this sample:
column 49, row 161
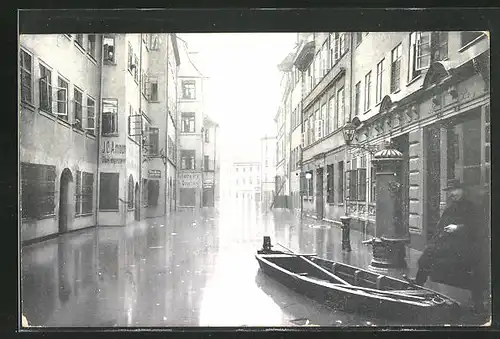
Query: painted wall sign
column 154, row 173
column 113, row 148
column 189, row 180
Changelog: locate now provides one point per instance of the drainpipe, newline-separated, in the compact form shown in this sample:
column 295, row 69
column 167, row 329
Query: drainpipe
column 140, row 139
column 97, row 129
column 165, row 182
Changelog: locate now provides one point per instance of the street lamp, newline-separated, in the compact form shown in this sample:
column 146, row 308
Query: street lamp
column 349, row 131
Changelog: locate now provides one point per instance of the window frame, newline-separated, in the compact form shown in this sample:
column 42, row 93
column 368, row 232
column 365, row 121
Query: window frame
column 396, row 62
column 64, row 102
column 76, row 124
column 357, row 98
column 191, row 118
column 80, row 40
column 106, row 47
column 188, row 155
column 113, row 115
column 185, row 85
column 367, row 92
column 380, row 82
column 38, row 188
column 92, row 45
column 45, row 73
column 330, row 170
column 89, row 117
column 154, row 140
column 22, row 70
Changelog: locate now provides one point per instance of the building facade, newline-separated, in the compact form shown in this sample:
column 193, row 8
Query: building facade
column 199, row 166
column 267, row 170
column 93, row 130
column 426, row 92
column 246, row 181
column 211, row 164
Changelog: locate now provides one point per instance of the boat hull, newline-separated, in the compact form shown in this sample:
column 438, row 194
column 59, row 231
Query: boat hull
column 346, row 299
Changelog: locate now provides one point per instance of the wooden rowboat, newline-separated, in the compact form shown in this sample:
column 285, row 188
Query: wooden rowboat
column 351, row 289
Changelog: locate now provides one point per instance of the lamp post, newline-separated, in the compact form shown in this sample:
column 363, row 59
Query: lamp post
column 388, row 245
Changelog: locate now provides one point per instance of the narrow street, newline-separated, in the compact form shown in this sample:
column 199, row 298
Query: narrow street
column 189, row 270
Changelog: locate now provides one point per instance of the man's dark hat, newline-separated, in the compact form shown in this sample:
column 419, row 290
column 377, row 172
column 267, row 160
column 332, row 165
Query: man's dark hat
column 453, row 184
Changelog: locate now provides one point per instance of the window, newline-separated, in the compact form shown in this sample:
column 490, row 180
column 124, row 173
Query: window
column 109, row 50
column 341, row 182
column 78, row 193
column 154, row 140
column 109, row 116
column 357, row 98
column 373, row 183
column 155, row 42
column 130, row 58
column 84, row 194
column 351, row 178
column 130, row 202
column 79, row 39
column 188, row 123
column 396, row 68
column 144, row 84
column 342, row 44
column 188, row 89
column 426, row 48
column 332, row 49
column 359, row 37
column 153, row 87
column 45, row 89
column 207, row 135
column 91, row 43
column 153, row 192
column 37, row 190
column 108, row 192
column 379, row 86
column 330, row 184
column 188, row 159
column 206, row 162
column 368, row 84
column 136, row 69
column 26, row 66
column 468, row 37
column 62, row 99
column 340, row 107
column 77, row 99
column 331, row 112
column 90, row 115
column 361, row 184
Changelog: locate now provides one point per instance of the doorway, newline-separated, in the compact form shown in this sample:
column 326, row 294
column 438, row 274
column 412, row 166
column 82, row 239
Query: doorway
column 319, row 193
column 433, row 179
column 65, row 200
column 137, row 196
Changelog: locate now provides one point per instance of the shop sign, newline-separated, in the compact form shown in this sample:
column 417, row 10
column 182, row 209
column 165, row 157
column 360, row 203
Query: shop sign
column 154, row 173
column 189, row 180
column 113, row 152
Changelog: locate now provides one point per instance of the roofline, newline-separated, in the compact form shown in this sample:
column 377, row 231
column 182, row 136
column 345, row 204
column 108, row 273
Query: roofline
column 176, row 49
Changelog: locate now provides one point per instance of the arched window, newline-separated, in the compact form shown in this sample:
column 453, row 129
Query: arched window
column 130, row 192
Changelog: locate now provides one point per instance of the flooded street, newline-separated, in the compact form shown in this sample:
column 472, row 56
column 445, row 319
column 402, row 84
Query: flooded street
column 188, row 270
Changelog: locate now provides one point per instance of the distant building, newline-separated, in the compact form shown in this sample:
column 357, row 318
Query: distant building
column 211, row 163
column 245, row 181
column 267, row 170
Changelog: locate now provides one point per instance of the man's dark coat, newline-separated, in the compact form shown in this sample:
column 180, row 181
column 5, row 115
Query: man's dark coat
column 456, row 258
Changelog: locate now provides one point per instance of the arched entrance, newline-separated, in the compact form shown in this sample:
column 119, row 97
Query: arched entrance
column 65, row 196
column 137, row 213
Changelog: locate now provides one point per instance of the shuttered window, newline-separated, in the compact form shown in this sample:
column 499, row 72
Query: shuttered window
column 37, row 190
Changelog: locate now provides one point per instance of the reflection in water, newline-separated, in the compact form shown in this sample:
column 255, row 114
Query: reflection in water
column 188, row 269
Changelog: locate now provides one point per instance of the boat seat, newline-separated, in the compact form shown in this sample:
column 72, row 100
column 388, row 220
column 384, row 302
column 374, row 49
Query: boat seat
column 303, row 274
